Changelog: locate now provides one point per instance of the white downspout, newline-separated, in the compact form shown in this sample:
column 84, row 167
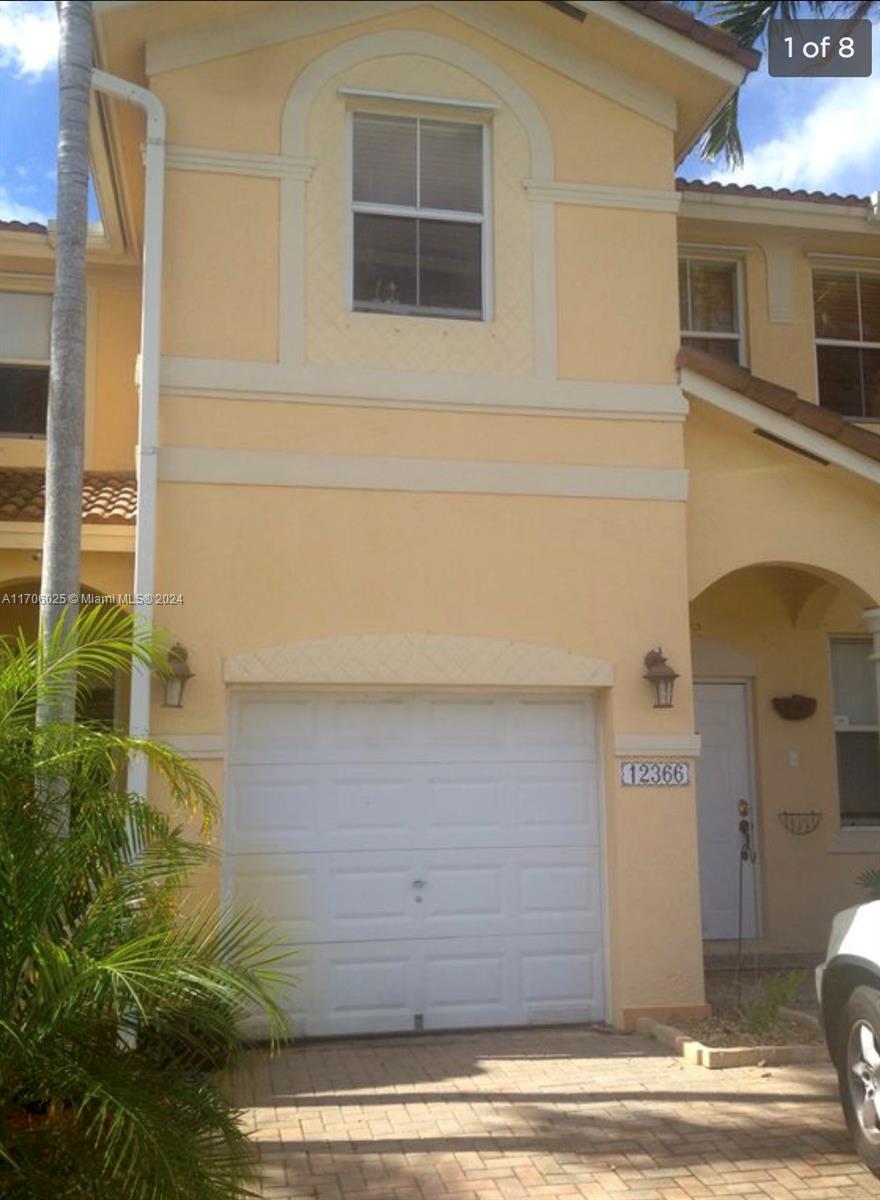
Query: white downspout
column 148, row 420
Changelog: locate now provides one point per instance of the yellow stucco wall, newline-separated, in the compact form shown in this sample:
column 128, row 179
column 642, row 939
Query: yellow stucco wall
column 755, row 502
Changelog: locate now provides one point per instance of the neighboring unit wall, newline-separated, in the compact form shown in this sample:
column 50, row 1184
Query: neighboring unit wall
column 112, row 341
column 778, row 262
column 782, row 555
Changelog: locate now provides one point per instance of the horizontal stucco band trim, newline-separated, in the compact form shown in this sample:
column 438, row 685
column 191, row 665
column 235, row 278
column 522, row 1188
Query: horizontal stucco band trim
column 599, row 195
column 195, row 745
column 337, row 384
column 195, row 464
column 28, row 535
column 238, row 162
column 418, row 660
column 684, row 745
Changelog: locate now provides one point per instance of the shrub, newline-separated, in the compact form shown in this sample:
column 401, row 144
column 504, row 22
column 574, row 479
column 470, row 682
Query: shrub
column 762, row 1011
column 113, row 1004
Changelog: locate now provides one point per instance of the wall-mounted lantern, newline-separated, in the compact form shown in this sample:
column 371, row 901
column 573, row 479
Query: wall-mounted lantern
column 661, row 678
column 175, row 681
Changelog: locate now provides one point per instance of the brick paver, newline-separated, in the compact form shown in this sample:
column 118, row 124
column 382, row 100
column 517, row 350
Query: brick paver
column 531, row 1114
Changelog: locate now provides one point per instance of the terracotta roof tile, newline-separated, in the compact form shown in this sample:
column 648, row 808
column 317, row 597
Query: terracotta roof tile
column 769, row 193
column 782, row 400
column 687, row 24
column 22, row 227
column 109, row 497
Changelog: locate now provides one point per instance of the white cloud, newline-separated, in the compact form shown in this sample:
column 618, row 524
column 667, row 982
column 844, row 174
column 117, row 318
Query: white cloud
column 28, row 35
column 12, row 210
column 831, row 144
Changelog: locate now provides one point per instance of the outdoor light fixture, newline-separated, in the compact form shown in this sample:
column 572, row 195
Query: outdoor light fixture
column 661, row 677
column 174, row 683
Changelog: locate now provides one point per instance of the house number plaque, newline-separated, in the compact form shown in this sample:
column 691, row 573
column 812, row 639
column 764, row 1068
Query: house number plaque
column 662, row 772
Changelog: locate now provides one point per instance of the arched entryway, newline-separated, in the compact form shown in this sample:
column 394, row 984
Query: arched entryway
column 809, row 768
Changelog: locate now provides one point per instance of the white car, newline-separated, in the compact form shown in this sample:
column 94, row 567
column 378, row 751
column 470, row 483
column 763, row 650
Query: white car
column 848, row 985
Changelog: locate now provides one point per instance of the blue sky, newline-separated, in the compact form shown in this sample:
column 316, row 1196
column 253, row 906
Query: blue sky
column 798, row 133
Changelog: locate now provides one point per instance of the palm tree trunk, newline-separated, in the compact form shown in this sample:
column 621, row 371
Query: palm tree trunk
column 66, row 420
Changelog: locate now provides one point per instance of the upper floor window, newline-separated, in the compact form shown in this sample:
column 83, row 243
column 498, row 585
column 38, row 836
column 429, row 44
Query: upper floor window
column 709, row 294
column 856, row 731
column 846, row 305
column 419, row 216
column 25, row 320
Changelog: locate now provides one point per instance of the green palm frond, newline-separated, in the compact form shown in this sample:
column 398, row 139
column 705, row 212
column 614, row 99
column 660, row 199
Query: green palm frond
column 116, row 999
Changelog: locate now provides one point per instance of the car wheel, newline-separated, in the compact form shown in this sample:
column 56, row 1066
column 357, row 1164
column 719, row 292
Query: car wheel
column 858, row 1071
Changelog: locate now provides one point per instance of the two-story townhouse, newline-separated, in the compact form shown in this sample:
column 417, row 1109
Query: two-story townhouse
column 441, row 455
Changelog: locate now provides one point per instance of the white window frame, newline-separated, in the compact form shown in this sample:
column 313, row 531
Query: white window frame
column 844, row 342
column 739, row 283
column 399, row 210
column 841, row 727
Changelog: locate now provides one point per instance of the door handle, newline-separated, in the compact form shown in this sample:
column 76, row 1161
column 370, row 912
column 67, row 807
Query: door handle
column 418, row 883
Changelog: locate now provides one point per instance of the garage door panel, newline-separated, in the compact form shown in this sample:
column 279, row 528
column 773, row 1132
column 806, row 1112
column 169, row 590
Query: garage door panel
column 562, row 981
column 269, row 807
column 557, row 804
column 285, row 890
column 431, row 859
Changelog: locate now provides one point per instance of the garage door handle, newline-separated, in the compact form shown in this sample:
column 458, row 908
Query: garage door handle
column 418, row 883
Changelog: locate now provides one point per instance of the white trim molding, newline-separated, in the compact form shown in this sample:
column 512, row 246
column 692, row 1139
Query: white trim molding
column 780, row 283
column 235, row 379
column 266, row 468
column 418, row 659
column 852, row 839
column 671, row 745
column 417, row 98
column 598, row 195
column 28, row 535
column 779, row 426
column 766, row 210
column 195, row 746
column 238, row 162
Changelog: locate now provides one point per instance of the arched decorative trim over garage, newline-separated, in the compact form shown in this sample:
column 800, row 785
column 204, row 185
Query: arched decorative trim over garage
column 294, row 145
column 418, row 659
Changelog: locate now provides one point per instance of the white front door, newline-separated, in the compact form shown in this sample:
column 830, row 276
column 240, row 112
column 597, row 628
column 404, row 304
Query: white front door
column 435, row 859
column 728, row 884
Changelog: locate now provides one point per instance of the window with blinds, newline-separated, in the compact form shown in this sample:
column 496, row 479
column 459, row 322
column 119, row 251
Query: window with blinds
column 709, row 307
column 419, row 216
column 856, row 732
column 846, row 306
column 25, row 320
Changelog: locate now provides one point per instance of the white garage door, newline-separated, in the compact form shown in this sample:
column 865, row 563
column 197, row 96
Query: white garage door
column 435, row 859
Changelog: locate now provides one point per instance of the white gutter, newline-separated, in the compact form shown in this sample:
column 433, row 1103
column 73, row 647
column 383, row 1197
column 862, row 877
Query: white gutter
column 148, row 382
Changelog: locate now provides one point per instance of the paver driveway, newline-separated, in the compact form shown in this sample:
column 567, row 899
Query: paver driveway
column 541, row 1113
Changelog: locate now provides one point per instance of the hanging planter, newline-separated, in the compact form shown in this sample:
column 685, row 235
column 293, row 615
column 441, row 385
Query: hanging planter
column 795, row 707
column 800, row 823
